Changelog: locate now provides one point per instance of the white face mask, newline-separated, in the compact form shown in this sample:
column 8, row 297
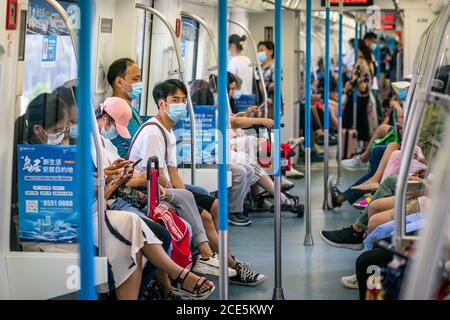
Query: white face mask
column 55, row 138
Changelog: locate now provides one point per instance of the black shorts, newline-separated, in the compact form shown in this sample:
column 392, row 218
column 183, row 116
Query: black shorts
column 203, row 201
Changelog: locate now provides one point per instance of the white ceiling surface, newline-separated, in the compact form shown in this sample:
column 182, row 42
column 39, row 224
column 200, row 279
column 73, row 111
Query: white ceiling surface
column 259, row 5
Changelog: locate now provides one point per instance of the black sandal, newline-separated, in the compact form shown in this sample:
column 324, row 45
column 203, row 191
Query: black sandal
column 195, row 294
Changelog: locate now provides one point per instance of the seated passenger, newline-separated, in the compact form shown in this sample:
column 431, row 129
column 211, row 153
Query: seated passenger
column 159, row 140
column 124, row 77
column 241, row 176
column 47, row 117
column 112, row 121
column 242, row 156
column 129, row 237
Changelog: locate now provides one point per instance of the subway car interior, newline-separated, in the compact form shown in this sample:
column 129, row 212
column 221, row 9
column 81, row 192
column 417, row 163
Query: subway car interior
column 225, row 150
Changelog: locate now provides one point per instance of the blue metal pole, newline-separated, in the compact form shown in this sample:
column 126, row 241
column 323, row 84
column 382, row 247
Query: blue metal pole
column 278, row 290
column 327, row 104
column 355, row 92
column 308, row 234
column 84, row 162
column 223, row 125
column 340, row 88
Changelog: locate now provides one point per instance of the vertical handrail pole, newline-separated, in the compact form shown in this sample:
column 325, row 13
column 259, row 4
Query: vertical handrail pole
column 399, row 66
column 340, row 88
column 176, row 45
column 326, row 167
column 84, row 162
column 355, row 90
column 223, row 124
column 100, row 181
column 309, row 241
column 278, row 290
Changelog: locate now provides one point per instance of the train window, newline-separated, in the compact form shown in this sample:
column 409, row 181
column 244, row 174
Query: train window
column 49, row 56
column 189, row 46
column 43, row 213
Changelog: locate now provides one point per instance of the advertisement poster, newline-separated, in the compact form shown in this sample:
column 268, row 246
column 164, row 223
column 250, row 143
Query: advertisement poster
column 44, row 20
column 46, row 189
column 205, row 125
column 49, row 51
column 245, row 101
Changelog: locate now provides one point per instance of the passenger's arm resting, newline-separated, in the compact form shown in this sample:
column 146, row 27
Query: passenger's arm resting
column 138, row 180
column 175, row 178
column 244, row 122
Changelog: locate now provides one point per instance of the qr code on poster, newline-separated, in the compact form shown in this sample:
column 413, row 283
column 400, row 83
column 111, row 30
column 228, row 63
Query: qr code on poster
column 31, row 206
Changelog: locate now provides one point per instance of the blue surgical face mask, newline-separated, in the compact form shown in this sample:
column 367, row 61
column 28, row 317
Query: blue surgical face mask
column 177, row 111
column 237, row 94
column 136, row 91
column 262, row 57
column 74, row 131
column 402, row 94
column 373, row 46
column 110, row 134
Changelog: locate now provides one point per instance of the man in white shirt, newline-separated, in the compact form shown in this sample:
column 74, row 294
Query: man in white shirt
column 157, row 139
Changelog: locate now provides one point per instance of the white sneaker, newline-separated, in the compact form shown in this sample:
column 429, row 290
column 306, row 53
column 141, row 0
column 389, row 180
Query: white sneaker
column 350, row 282
column 354, row 163
column 294, row 174
column 210, row 266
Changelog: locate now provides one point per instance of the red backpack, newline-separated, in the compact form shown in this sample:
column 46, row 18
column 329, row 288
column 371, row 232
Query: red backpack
column 162, row 214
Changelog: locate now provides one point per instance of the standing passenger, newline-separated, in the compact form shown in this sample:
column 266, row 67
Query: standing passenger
column 240, row 65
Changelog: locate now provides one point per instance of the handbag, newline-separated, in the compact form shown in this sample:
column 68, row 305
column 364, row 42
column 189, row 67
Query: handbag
column 162, row 214
column 137, row 198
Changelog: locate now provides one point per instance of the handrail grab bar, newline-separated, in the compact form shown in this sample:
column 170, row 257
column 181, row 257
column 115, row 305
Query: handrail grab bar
column 183, row 79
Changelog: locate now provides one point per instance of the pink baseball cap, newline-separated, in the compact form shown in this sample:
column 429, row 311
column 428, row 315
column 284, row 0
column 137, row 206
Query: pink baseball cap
column 120, row 111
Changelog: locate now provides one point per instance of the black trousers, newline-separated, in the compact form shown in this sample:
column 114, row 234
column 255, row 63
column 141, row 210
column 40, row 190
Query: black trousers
column 362, row 120
column 376, row 257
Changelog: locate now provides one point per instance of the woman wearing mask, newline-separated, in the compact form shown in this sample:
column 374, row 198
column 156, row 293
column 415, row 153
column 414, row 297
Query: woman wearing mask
column 266, row 56
column 112, row 120
column 239, row 64
column 47, row 121
column 362, row 77
column 129, row 240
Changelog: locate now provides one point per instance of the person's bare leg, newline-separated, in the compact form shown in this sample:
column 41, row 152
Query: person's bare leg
column 381, row 205
column 164, row 281
column 378, row 175
column 213, row 237
column 205, row 250
column 129, row 290
column 267, row 184
column 156, row 255
column 379, row 219
column 380, row 132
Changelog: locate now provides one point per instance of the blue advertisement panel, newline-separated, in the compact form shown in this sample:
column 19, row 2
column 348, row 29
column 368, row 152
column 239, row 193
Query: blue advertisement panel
column 46, row 189
column 44, row 20
column 245, row 101
column 205, row 125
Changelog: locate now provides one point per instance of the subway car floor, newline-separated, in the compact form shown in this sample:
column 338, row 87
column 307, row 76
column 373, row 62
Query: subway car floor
column 309, row 273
